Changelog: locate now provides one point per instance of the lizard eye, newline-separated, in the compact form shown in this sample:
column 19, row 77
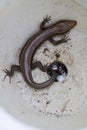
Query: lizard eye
column 60, row 70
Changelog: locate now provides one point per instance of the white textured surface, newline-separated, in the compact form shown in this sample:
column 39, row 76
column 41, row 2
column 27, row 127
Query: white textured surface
column 19, row 20
column 7, row 122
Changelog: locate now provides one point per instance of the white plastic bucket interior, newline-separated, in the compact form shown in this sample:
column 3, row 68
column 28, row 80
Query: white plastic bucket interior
column 19, row 20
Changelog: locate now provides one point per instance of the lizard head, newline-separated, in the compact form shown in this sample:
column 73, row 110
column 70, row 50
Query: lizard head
column 63, row 26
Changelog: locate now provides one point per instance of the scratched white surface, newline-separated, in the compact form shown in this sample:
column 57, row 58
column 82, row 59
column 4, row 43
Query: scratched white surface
column 61, row 103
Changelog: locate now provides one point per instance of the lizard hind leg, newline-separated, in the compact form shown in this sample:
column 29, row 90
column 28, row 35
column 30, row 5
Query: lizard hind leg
column 39, row 65
column 10, row 72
